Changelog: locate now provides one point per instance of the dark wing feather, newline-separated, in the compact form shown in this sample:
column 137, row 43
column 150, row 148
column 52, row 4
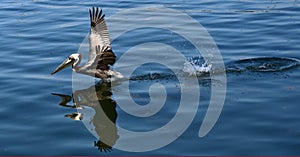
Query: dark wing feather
column 105, row 57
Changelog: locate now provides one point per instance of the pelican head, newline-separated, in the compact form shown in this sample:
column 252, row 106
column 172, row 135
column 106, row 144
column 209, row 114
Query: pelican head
column 73, row 59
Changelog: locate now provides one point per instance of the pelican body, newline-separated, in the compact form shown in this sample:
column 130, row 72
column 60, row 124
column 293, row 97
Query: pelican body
column 101, row 56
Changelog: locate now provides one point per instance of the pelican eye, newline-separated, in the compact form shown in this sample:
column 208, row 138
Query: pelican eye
column 71, row 58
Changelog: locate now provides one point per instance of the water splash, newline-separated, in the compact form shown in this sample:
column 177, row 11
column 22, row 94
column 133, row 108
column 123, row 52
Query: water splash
column 196, row 66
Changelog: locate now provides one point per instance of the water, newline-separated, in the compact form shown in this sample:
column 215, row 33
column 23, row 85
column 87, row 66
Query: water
column 260, row 115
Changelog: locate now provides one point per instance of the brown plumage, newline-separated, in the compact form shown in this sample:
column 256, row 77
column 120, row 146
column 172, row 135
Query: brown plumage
column 101, row 56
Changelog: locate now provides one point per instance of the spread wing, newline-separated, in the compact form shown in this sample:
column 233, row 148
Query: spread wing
column 98, row 33
column 105, row 57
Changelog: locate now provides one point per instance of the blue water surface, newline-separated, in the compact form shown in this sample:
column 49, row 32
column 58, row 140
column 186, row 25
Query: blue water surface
column 261, row 111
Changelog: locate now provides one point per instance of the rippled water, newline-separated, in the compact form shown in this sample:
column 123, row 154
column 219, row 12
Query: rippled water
column 260, row 115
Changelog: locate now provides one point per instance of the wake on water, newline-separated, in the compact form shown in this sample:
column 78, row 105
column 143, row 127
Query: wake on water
column 197, row 66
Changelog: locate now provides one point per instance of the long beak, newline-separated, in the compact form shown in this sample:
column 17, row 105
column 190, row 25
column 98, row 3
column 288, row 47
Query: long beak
column 63, row 65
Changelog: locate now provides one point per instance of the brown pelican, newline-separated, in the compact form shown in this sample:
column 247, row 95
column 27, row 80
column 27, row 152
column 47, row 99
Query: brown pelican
column 101, row 55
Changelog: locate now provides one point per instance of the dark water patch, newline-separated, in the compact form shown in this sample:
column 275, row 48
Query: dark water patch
column 153, row 76
column 264, row 64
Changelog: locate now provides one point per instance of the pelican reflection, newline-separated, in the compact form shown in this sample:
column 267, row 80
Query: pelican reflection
column 96, row 108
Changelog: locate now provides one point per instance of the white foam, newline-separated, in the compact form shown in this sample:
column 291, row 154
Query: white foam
column 195, row 69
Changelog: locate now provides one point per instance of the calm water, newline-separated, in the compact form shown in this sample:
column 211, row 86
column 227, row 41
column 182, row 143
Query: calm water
column 261, row 110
